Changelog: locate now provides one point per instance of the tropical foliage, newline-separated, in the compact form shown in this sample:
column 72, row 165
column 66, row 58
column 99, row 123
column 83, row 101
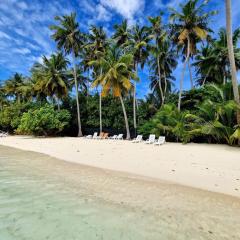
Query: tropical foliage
column 93, row 80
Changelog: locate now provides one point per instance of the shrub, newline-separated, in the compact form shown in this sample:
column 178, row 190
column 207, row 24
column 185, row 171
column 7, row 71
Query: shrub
column 44, row 121
column 10, row 116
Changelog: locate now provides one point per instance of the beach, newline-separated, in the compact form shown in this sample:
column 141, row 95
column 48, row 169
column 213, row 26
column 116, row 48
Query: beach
column 208, row 167
column 65, row 200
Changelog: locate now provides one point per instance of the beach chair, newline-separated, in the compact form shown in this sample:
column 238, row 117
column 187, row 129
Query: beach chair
column 119, row 137
column 100, row 135
column 137, row 139
column 161, row 140
column 105, row 136
column 113, row 137
column 92, row 136
column 151, row 139
column 3, row 134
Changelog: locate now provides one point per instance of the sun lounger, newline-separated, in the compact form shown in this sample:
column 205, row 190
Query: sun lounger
column 105, row 136
column 161, row 140
column 100, row 135
column 113, row 137
column 119, row 137
column 151, row 139
column 3, row 134
column 137, row 139
column 92, row 136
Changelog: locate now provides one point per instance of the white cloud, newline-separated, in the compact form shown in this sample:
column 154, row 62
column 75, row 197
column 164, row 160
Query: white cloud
column 102, row 13
column 22, row 51
column 127, row 8
column 22, row 5
column 4, row 35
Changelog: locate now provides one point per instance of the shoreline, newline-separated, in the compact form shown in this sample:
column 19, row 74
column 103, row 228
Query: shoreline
column 214, row 168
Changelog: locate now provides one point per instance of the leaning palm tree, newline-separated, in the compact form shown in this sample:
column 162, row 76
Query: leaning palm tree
column 139, row 40
column 51, row 76
column 117, row 72
column 231, row 56
column 68, row 37
column 188, row 27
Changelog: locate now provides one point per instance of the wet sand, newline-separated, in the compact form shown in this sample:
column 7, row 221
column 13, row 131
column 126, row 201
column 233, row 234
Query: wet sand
column 205, row 166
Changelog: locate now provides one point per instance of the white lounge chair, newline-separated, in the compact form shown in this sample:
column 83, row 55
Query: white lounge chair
column 137, row 139
column 114, row 137
column 119, row 137
column 92, row 136
column 3, row 134
column 151, row 139
column 161, row 140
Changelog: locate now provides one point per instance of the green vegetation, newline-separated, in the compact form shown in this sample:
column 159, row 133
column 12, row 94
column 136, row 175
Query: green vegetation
column 43, row 121
column 91, row 82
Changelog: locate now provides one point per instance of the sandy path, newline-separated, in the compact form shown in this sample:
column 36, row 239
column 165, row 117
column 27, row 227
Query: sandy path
column 210, row 167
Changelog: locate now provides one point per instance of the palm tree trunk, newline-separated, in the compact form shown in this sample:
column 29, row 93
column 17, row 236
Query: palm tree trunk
column 205, row 78
column 125, row 118
column 58, row 102
column 77, row 99
column 190, row 74
column 134, row 103
column 182, row 78
column 159, row 81
column 231, row 56
column 165, row 85
column 100, row 106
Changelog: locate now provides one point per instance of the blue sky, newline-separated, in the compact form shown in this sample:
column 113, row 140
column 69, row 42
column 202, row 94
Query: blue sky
column 25, row 36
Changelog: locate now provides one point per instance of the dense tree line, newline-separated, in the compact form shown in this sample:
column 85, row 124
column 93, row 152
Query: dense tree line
column 91, row 81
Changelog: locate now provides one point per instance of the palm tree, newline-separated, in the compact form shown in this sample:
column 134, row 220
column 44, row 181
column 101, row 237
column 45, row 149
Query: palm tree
column 212, row 61
column 116, row 75
column 122, row 34
column 139, row 40
column 3, row 98
column 51, row 76
column 231, row 56
column 68, row 37
column 156, row 30
column 163, row 60
column 188, row 28
column 12, row 86
column 98, row 44
column 82, row 80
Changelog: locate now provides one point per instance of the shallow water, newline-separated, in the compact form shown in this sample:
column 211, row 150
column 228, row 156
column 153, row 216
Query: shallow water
column 44, row 198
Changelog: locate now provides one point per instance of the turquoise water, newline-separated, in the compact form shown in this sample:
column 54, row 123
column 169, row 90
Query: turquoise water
column 44, row 198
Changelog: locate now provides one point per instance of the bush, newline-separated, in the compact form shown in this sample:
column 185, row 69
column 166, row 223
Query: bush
column 44, row 121
column 10, row 116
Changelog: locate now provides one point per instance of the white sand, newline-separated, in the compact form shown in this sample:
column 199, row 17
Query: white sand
column 205, row 166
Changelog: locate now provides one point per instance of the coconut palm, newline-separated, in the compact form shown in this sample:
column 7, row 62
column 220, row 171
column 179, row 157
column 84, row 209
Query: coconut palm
column 122, row 34
column 98, row 44
column 212, row 61
column 189, row 26
column 215, row 119
column 158, row 35
column 117, row 72
column 12, row 86
column 51, row 76
column 68, row 37
column 163, row 60
column 231, row 55
column 139, row 39
column 3, row 98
